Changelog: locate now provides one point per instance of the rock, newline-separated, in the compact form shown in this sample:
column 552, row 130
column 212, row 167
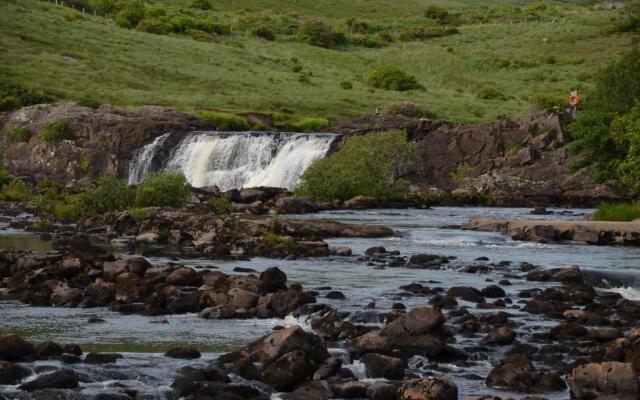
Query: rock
column 101, row 358
column 274, row 279
column 610, row 380
column 218, row 312
column 419, row 321
column 63, row 379
column 424, row 345
column 382, row 391
column 296, row 205
column 242, row 299
column 14, row 348
column 493, row 291
column 246, row 369
column 350, row 390
column 11, row 374
column 310, row 391
column 329, row 367
column 184, row 277
column 289, row 369
column 360, row 203
column 430, row 388
column 101, row 292
column 48, row 350
column 381, row 366
column 343, row 251
column 520, row 376
column 271, row 347
column 426, row 260
column 148, row 237
column 185, row 353
column 286, row 301
column 336, row 295
column 64, row 295
column 502, row 335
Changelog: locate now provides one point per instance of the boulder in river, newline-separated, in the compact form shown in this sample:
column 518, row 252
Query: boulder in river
column 62, row 379
column 185, row 353
column 14, row 348
column 610, row 380
column 430, row 388
column 11, row 374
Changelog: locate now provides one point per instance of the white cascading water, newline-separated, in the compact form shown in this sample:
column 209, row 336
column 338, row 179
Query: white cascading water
column 236, row 160
column 139, row 168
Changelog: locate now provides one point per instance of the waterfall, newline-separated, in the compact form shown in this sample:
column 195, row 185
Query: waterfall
column 139, row 168
column 236, row 160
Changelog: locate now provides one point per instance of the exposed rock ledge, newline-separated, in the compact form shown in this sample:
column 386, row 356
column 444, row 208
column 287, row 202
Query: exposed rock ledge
column 590, row 232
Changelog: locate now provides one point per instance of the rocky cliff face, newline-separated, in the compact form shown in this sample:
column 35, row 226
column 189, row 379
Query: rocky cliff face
column 518, row 162
column 104, row 139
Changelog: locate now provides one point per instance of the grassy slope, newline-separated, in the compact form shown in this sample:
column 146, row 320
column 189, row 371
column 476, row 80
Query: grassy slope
column 131, row 68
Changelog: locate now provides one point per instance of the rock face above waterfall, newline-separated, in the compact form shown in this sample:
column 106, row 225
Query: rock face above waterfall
column 104, row 140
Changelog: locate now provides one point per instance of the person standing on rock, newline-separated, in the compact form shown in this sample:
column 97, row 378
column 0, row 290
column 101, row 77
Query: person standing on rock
column 574, row 100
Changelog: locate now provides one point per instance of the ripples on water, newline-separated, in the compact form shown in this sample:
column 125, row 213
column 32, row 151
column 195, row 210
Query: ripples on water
column 418, row 231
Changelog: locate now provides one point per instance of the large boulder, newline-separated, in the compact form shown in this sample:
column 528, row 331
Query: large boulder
column 284, row 302
column 289, row 369
column 274, row 279
column 14, row 348
column 184, row 277
column 11, row 374
column 381, row 366
column 64, row 295
column 419, row 321
column 271, row 347
column 296, row 205
column 62, row 379
column 430, row 388
column 608, row 380
column 521, row 376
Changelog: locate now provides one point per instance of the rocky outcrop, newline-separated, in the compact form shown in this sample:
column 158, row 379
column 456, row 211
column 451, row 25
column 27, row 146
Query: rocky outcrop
column 105, row 139
column 589, row 232
column 609, row 380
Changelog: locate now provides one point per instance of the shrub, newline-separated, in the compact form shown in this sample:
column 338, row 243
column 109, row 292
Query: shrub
column 318, row 33
column 437, row 13
column 201, row 4
column 57, row 131
column 16, row 190
column 225, row 122
column 14, row 96
column 162, row 190
column 220, row 204
column 155, row 25
column 297, row 68
column 514, row 147
column 130, row 15
column 490, row 93
column 618, row 86
column 547, row 101
column 346, row 85
column 4, row 178
column 138, row 214
column 408, row 109
column 617, row 212
column 274, row 239
column 89, row 101
column 109, row 194
column 17, row 133
column 307, row 124
column 369, row 165
column 392, row 78
column 264, row 32
column 462, row 174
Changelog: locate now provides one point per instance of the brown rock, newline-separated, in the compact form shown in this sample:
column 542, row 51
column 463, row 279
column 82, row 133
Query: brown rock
column 430, row 388
column 611, row 380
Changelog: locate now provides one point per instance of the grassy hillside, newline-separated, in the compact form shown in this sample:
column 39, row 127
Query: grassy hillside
column 77, row 56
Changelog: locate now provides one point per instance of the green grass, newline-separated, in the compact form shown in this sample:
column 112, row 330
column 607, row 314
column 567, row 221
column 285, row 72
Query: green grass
column 79, row 56
column 617, row 212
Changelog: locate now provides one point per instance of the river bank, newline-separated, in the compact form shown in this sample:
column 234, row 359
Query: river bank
column 374, row 277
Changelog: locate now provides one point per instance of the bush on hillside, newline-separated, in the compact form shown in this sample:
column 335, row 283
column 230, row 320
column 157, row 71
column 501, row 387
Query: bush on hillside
column 618, row 86
column 490, row 93
column 155, row 25
column 408, row 109
column 5, row 178
column 225, row 122
column 201, row 4
column 318, row 33
column 162, row 190
column 437, row 13
column 109, row 194
column 547, row 101
column 369, row 165
column 14, row 96
column 617, row 212
column 16, row 190
column 392, row 78
column 130, row 15
column 625, row 133
column 264, row 32
column 57, row 131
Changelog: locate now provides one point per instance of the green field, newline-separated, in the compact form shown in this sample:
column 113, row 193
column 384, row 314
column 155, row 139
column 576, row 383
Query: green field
column 76, row 56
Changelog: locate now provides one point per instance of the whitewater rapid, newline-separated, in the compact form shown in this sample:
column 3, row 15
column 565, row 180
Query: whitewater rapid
column 233, row 160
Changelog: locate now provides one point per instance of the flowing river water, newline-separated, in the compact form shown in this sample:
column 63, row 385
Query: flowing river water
column 142, row 339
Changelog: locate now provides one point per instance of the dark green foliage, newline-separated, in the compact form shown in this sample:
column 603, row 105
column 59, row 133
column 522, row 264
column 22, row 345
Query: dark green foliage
column 369, row 165
column 89, row 101
column 222, row 205
column 264, row 32
column 408, row 109
column 437, row 13
column 4, row 178
column 131, row 13
column 14, row 96
column 617, row 212
column 16, row 190
column 618, row 86
column 547, row 101
column 110, row 194
column 490, row 93
column 630, row 24
column 346, row 85
column 318, row 33
column 392, row 78
column 57, row 131
column 225, row 122
column 162, row 190
column 17, row 134
column 201, row 4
